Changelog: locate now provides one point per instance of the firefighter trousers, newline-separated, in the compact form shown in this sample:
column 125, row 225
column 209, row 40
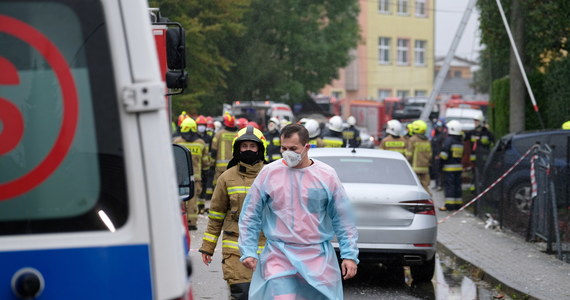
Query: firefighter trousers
column 452, row 189
column 425, row 181
column 191, row 205
column 234, row 271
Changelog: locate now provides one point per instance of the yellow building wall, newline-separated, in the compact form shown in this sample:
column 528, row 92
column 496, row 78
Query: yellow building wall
column 392, row 76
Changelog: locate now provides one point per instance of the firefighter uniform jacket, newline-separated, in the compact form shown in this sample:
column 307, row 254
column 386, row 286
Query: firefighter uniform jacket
column 394, row 143
column 199, row 151
column 225, row 209
column 418, row 152
column 351, row 137
column 273, row 147
column 332, row 139
column 480, row 140
column 452, row 153
column 222, row 150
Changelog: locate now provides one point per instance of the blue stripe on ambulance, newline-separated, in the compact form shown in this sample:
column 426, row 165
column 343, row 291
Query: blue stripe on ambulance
column 118, row 272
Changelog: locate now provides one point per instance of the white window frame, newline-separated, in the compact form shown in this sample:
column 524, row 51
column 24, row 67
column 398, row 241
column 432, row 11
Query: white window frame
column 421, row 8
column 402, row 93
column 403, row 50
column 403, row 7
column 420, row 93
column 384, row 6
column 384, row 93
column 384, row 50
column 420, row 52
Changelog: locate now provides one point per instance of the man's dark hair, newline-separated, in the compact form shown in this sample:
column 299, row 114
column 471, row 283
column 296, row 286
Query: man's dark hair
column 299, row 129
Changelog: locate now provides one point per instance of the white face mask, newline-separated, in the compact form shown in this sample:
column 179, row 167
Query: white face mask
column 292, row 158
column 201, row 128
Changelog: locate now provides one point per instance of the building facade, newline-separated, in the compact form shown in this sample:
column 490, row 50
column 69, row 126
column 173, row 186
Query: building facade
column 396, row 55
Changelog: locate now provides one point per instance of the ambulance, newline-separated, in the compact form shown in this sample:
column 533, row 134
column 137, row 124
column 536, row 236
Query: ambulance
column 90, row 196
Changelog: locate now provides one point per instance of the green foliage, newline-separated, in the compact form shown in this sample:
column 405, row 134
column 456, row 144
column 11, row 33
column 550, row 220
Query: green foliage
column 291, row 47
column 557, row 92
column 499, row 107
column 531, row 117
column 209, row 25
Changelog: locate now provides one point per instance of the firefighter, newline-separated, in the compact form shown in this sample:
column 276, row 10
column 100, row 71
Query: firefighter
column 314, row 130
column 222, row 145
column 202, row 123
column 480, row 141
column 273, row 140
column 438, row 137
column 190, row 139
column 351, row 135
column 332, row 137
column 451, row 155
column 418, row 152
column 229, row 194
column 393, row 141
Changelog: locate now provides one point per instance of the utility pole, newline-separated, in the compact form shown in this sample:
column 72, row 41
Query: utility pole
column 445, row 67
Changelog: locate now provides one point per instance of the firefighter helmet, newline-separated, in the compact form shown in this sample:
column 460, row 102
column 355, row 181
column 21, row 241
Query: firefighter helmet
column 394, row 127
column 254, row 124
column 241, row 123
column 188, row 125
column 479, row 117
column 419, row 126
column 252, row 134
column 201, row 120
column 566, row 125
column 229, row 120
column 313, row 128
column 351, row 121
column 454, row 127
column 335, row 124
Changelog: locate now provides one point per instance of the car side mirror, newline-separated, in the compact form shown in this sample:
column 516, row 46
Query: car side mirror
column 184, row 172
column 176, row 76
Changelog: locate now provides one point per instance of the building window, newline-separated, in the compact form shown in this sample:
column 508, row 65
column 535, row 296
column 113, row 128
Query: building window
column 420, row 93
column 384, row 50
column 457, row 74
column 421, row 8
column 403, row 49
column 402, row 93
column 384, row 6
column 403, row 7
column 337, row 94
column 420, row 52
column 383, row 94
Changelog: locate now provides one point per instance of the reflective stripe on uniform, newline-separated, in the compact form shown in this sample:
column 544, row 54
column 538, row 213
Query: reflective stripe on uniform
column 260, row 249
column 276, row 141
column 332, row 142
column 420, row 169
column 222, row 162
column 229, row 244
column 444, row 155
column 216, row 215
column 237, row 190
column 210, row 237
column 276, row 156
column 452, row 167
column 472, row 157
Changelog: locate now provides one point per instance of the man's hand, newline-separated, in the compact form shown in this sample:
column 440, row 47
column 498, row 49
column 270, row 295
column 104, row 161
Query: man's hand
column 250, row 263
column 207, row 259
column 348, row 268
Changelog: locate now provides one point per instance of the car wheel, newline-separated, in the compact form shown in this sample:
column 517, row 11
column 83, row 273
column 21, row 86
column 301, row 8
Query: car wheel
column 519, row 196
column 423, row 273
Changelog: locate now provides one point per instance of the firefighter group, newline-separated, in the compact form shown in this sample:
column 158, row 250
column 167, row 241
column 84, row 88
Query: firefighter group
column 228, row 154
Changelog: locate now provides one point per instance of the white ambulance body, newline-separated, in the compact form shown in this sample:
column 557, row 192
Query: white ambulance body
column 89, row 207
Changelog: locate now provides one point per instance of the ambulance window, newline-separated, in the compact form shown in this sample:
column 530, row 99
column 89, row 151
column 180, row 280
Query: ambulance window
column 62, row 167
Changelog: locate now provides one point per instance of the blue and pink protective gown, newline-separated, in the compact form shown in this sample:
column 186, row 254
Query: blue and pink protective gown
column 299, row 211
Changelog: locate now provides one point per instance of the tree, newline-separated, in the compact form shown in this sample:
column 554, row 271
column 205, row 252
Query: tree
column 544, row 39
column 291, row 48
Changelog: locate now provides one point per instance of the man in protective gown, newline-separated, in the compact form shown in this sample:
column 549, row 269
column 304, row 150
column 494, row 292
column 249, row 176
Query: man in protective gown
column 299, row 204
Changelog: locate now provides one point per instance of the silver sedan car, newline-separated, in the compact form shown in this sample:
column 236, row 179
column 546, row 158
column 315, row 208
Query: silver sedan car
column 395, row 216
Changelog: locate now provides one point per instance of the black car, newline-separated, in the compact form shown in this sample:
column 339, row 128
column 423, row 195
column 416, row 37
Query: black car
column 515, row 189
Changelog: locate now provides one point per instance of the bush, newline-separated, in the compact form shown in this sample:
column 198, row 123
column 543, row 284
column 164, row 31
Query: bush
column 557, row 90
column 499, row 107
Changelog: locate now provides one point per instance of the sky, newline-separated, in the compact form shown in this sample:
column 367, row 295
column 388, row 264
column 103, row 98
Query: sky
column 448, row 15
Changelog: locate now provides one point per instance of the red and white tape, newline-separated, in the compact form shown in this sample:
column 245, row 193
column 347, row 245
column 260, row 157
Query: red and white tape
column 489, row 187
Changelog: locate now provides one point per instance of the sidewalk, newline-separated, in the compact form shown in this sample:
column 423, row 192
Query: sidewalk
column 502, row 258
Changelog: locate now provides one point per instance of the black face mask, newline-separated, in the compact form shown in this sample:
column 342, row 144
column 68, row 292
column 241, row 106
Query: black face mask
column 248, row 157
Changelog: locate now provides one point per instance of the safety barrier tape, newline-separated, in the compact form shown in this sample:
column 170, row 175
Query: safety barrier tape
column 492, row 185
column 533, row 184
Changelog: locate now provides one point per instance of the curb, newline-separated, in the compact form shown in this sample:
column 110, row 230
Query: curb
column 480, row 274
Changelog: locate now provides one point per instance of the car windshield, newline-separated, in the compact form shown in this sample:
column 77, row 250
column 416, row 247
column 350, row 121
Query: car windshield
column 370, row 170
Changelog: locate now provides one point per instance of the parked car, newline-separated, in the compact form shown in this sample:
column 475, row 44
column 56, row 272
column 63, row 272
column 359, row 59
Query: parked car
column 395, row 216
column 515, row 189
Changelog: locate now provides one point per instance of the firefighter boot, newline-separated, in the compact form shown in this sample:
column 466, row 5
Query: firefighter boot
column 239, row 291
